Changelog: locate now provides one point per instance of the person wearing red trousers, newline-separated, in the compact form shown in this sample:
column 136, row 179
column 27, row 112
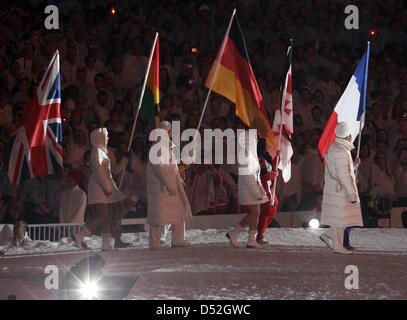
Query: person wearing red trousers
column 267, row 211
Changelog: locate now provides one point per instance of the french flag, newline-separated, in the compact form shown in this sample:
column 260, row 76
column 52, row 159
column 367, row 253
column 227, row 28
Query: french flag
column 350, row 107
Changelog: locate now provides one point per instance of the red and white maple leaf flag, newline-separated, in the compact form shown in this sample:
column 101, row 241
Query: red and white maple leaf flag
column 283, row 121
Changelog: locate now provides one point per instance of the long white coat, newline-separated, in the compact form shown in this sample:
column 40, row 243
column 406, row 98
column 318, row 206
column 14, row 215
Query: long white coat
column 340, row 188
column 165, row 208
column 101, row 188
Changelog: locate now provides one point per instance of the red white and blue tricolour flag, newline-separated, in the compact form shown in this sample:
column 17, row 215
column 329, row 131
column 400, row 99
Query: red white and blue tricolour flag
column 36, row 147
column 350, row 107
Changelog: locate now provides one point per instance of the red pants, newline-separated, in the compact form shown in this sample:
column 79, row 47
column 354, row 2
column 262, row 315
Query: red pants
column 267, row 213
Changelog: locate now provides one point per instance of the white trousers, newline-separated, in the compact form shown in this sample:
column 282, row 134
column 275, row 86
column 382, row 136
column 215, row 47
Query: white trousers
column 178, row 232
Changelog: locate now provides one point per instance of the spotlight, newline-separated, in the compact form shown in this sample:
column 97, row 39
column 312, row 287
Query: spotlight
column 313, row 224
column 89, row 290
column 85, row 281
column 82, row 280
column 113, row 11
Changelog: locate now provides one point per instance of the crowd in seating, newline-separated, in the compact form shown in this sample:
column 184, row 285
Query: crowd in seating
column 103, row 58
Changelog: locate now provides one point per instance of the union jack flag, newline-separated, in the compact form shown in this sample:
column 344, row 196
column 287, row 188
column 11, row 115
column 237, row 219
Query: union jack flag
column 36, row 147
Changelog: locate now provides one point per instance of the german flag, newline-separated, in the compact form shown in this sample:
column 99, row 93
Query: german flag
column 151, row 100
column 235, row 80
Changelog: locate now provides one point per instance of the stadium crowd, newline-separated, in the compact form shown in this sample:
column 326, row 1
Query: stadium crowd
column 103, row 61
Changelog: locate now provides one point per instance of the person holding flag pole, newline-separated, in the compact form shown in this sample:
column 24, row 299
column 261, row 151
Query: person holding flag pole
column 341, row 204
column 148, row 107
column 283, row 128
column 232, row 76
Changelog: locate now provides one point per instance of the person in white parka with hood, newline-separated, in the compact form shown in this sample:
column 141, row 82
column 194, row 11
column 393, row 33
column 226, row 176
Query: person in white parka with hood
column 340, row 203
column 167, row 201
column 103, row 193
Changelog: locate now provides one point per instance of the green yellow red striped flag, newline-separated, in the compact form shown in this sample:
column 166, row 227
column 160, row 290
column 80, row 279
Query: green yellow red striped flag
column 235, row 80
column 151, row 100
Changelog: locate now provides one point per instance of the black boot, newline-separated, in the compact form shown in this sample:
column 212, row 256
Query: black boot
column 118, row 243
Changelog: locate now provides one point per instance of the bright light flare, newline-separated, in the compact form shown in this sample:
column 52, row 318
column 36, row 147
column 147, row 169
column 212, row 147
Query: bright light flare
column 89, row 290
column 313, row 223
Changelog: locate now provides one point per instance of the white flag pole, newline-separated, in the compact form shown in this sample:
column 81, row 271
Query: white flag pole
column 140, row 101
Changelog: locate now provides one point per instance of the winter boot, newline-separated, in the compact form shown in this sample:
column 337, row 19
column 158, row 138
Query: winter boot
column 262, row 241
column 251, row 242
column 232, row 236
column 78, row 237
column 118, row 243
column 107, row 245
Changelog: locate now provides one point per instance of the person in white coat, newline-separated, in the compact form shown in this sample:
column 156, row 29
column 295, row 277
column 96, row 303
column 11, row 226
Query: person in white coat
column 250, row 190
column 103, row 194
column 167, row 201
column 340, row 203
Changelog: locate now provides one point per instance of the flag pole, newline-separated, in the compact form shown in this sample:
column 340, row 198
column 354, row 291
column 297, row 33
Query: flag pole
column 362, row 118
column 282, row 102
column 140, row 101
column 222, row 48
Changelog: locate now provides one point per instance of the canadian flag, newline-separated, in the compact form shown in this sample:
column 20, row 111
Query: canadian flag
column 283, row 121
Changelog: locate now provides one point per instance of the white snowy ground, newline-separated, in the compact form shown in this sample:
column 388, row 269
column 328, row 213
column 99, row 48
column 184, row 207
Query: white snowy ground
column 365, row 240
column 295, row 265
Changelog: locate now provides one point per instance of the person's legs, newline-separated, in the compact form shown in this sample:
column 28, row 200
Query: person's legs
column 249, row 220
column 178, row 233
column 337, row 239
column 106, row 226
column 154, row 238
column 254, row 212
column 264, row 218
column 346, row 240
column 327, row 237
column 116, row 227
column 94, row 221
column 267, row 214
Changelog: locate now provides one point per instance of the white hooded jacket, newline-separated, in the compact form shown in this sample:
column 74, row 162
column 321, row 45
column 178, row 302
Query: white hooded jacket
column 101, row 189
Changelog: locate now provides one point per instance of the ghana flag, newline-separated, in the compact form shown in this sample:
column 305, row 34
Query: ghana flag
column 151, row 99
column 235, row 80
